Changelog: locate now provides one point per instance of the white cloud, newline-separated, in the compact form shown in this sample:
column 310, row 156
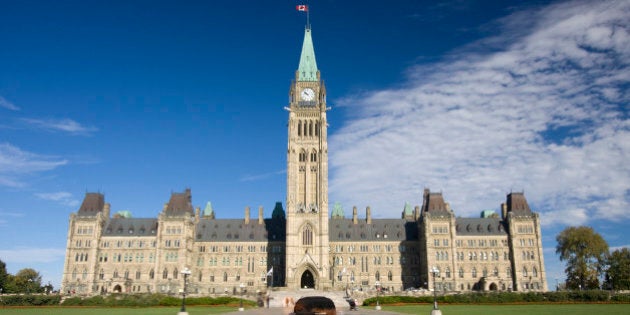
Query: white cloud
column 16, row 163
column 32, row 255
column 544, row 112
column 8, row 105
column 62, row 197
column 64, row 125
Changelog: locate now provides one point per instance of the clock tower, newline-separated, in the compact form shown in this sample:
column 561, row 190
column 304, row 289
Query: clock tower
column 307, row 246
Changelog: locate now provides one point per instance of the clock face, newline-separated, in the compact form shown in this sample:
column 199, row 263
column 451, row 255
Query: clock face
column 307, row 94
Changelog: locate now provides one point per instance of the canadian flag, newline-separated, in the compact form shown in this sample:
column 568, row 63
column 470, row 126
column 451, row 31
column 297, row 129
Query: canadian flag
column 301, row 7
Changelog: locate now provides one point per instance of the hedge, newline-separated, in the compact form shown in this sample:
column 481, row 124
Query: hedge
column 592, row 296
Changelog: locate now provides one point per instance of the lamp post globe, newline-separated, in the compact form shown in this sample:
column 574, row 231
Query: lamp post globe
column 185, row 273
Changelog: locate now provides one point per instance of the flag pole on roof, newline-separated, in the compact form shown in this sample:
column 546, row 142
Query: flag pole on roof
column 304, row 8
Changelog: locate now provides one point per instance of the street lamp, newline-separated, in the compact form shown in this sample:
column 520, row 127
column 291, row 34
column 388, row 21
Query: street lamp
column 378, row 288
column 186, row 272
column 242, row 285
column 436, row 310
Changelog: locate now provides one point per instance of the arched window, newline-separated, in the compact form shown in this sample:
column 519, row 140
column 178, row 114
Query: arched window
column 310, row 128
column 138, row 274
column 461, row 272
column 377, row 276
column 299, row 128
column 474, row 272
column 165, row 274
column 307, row 235
column 238, row 277
column 389, row 276
column 448, row 272
column 225, row 277
column 151, row 274
column 352, row 276
column 495, row 272
column 525, row 272
column 485, row 272
column 316, row 128
column 535, row 272
column 175, row 273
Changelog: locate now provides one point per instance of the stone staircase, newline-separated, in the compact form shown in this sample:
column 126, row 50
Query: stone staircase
column 280, row 297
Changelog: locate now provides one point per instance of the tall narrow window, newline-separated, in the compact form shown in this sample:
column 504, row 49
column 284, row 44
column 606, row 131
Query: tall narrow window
column 307, row 235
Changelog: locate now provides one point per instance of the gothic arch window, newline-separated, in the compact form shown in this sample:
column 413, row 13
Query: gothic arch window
column 310, row 128
column 165, row 273
column 101, row 274
column 299, row 128
column 225, row 277
column 525, row 272
column 151, row 274
column 317, row 129
column 461, row 272
column 389, row 276
column 175, row 273
column 377, row 276
column 314, row 156
column 535, row 272
column 495, row 272
column 307, row 235
column 448, row 272
column 138, row 274
column 474, row 272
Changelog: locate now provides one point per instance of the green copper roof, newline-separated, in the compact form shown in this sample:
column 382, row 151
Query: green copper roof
column 123, row 214
column 408, row 209
column 307, row 71
column 337, row 211
column 208, row 211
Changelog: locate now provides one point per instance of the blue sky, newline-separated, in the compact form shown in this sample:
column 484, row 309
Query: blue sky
column 138, row 99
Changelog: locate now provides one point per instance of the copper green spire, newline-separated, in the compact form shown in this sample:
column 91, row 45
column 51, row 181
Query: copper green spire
column 307, row 71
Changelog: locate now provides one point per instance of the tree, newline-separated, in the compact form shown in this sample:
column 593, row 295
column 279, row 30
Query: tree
column 585, row 253
column 27, row 280
column 4, row 276
column 618, row 273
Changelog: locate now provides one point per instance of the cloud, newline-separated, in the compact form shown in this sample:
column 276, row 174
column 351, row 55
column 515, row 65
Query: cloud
column 255, row 177
column 16, row 163
column 62, row 197
column 32, row 255
column 539, row 108
column 63, row 125
column 8, row 105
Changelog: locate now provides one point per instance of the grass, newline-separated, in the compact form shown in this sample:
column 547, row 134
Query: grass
column 54, row 310
column 521, row 309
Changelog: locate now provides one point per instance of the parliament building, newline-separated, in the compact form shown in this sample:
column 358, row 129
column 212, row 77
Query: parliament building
column 306, row 245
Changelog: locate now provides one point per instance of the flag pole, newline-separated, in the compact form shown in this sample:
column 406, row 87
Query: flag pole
column 308, row 23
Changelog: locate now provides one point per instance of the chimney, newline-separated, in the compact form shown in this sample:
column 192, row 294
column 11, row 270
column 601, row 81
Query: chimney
column 197, row 212
column 503, row 210
column 106, row 209
column 368, row 215
column 416, row 213
column 247, row 215
column 355, row 220
column 261, row 220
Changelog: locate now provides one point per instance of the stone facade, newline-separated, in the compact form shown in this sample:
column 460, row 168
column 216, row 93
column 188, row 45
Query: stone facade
column 304, row 246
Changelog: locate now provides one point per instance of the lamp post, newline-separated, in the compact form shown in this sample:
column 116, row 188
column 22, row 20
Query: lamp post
column 378, row 289
column 186, row 272
column 242, row 285
column 436, row 310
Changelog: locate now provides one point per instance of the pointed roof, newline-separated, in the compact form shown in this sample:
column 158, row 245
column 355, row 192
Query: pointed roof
column 337, row 212
column 92, row 204
column 307, row 70
column 180, row 204
column 208, row 211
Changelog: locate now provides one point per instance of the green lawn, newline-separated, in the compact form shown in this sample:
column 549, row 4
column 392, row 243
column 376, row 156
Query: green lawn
column 524, row 309
column 192, row 310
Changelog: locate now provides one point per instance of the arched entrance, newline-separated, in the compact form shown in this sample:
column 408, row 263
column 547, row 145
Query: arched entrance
column 117, row 289
column 493, row 286
column 307, row 281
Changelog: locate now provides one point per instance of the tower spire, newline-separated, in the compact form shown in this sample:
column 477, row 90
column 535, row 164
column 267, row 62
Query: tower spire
column 307, row 70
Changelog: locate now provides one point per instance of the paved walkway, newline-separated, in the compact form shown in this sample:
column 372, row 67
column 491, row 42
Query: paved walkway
column 287, row 310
